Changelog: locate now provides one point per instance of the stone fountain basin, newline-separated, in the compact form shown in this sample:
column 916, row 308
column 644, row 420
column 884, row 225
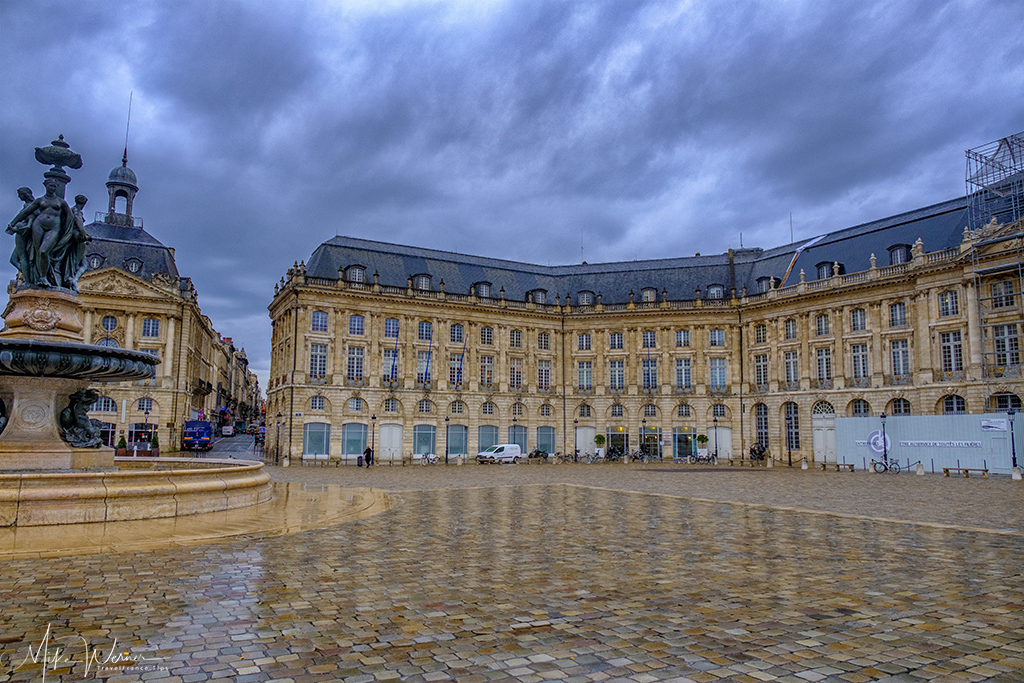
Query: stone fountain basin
column 144, row 488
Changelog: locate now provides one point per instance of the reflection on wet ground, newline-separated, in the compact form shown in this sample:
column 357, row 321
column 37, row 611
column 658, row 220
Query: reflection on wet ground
column 545, row 581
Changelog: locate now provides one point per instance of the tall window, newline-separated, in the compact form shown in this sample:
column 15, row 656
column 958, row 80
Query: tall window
column 898, row 254
column 858, row 320
column 824, row 270
column 483, row 290
column 486, row 370
column 150, row 327
column 682, row 338
column 792, row 363
column 423, row 367
column 617, row 375
column 650, row 369
column 318, row 361
column 716, row 337
column 1007, row 345
column 821, row 325
column 900, row 352
column 949, row 304
column 540, row 296
column 649, row 339
column 487, row 335
column 683, row 377
column 760, row 334
column 455, row 369
column 790, row 329
column 355, row 362
column 544, row 341
column 761, row 370
column 455, row 333
column 318, row 321
column 860, row 360
column 897, row 314
column 792, row 426
column 1002, row 294
column 761, row 424
column 952, row 352
column 426, row 330
column 824, row 364
column 391, row 328
column 390, row 365
column 515, row 339
column 544, row 375
column 316, row 438
column 718, row 373
column 583, row 342
column 515, row 373
column 585, row 375
column 954, row 405
column 355, row 324
column 615, row 340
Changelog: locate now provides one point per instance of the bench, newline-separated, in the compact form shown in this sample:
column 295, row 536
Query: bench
column 965, row 471
column 839, row 466
column 321, row 459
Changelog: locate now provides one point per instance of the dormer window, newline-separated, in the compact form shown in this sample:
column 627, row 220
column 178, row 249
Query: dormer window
column 421, row 282
column 355, row 274
column 899, row 253
column 133, row 265
column 649, row 294
column 483, row 290
column 540, row 296
column 824, row 270
column 585, row 298
column 764, row 284
column 95, row 261
column 716, row 291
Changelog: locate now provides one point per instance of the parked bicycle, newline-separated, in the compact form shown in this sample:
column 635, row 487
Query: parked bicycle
column 886, row 466
column 709, row 458
column 430, row 459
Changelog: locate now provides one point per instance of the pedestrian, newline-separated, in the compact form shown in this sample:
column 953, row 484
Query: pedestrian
column 368, row 456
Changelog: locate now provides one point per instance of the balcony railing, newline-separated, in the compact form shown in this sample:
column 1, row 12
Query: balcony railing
column 897, row 380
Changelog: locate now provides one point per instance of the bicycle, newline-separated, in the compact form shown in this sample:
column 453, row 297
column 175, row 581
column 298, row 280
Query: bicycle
column 886, row 466
column 709, row 458
column 430, row 459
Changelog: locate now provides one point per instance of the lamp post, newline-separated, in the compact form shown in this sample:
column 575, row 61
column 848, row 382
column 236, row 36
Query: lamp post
column 789, row 437
column 1013, row 446
column 373, row 433
column 885, row 447
column 715, row 421
column 446, row 434
column 643, row 436
column 575, row 443
column 277, row 452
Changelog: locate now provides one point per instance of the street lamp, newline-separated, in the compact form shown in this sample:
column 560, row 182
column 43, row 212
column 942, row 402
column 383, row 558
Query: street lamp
column 715, row 421
column 789, row 437
column 373, row 433
column 277, row 453
column 1013, row 446
column 885, row 447
column 446, row 434
column 643, row 436
column 575, row 443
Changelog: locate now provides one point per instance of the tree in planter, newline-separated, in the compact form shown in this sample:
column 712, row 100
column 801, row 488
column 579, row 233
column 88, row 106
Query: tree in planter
column 702, row 441
column 154, row 444
column 122, row 446
column 599, row 440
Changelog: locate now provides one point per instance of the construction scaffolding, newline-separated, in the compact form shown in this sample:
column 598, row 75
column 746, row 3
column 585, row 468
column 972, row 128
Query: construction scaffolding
column 995, row 191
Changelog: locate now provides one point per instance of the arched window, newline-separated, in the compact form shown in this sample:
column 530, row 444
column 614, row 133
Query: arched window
column 518, row 410
column 649, row 294
column 683, row 410
column 764, row 284
column 716, row 291
column 483, row 290
column 355, row 274
column 954, row 405
column 899, row 406
column 421, row 282
column 650, row 410
column 487, row 408
column 761, row 424
column 718, row 410
column 1003, row 402
column 318, row 321
column 823, row 408
column 584, row 410
column 824, row 270
column 545, row 410
column 899, row 253
column 585, row 298
column 860, row 408
column 792, row 413
column 104, row 404
column 617, row 410
column 391, row 405
column 458, row 407
column 424, row 406
column 316, row 403
column 539, row 296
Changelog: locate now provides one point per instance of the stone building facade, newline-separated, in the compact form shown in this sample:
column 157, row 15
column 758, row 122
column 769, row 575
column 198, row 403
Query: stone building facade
column 133, row 297
column 413, row 350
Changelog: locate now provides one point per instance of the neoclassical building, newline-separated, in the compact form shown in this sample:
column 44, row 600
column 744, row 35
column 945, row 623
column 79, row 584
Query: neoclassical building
column 133, row 297
column 414, row 350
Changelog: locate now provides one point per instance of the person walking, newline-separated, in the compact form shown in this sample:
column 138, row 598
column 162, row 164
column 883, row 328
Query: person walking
column 368, row 456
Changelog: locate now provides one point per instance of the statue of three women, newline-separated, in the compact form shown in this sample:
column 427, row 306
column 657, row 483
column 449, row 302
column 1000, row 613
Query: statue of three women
column 49, row 239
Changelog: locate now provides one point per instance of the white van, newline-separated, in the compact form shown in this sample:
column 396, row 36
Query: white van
column 502, row 452
column 227, row 430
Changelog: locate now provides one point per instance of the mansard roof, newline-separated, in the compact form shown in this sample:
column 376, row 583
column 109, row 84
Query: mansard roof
column 939, row 227
column 119, row 244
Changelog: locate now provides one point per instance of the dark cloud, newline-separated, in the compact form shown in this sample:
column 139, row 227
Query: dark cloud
column 602, row 130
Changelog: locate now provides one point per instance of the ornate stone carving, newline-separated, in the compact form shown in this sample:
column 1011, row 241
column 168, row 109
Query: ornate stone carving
column 43, row 317
column 76, row 428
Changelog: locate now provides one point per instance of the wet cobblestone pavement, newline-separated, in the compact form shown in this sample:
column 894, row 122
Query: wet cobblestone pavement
column 560, row 573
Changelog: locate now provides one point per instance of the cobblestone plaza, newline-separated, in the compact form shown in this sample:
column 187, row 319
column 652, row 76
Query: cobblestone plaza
column 535, row 573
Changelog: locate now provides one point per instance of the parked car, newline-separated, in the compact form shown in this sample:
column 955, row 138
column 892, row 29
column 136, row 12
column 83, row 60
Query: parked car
column 502, row 452
column 227, row 430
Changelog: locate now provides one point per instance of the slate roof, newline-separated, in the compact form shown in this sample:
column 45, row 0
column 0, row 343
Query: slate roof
column 939, row 226
column 119, row 243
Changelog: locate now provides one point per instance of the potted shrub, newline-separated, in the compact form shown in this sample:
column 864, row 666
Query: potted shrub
column 154, row 446
column 599, row 441
column 122, row 447
column 702, row 445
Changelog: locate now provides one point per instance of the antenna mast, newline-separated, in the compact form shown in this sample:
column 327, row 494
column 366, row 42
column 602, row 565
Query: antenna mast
column 127, row 127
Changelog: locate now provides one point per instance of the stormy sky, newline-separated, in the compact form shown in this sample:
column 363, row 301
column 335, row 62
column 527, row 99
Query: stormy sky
column 544, row 131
